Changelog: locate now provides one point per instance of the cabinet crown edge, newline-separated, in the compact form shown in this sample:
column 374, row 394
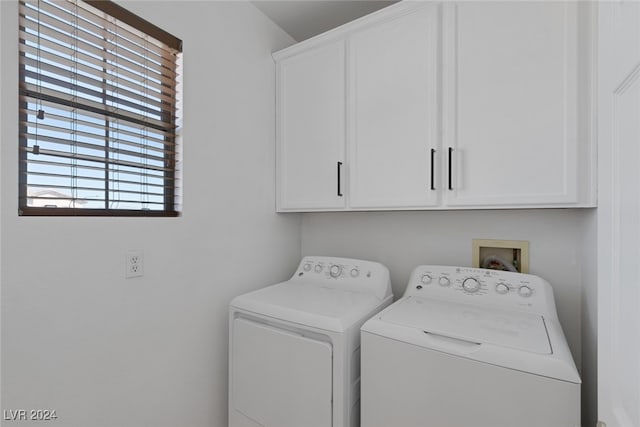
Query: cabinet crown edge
column 344, row 30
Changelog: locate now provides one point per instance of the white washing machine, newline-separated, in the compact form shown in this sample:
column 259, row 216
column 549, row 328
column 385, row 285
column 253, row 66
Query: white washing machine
column 294, row 347
column 469, row 347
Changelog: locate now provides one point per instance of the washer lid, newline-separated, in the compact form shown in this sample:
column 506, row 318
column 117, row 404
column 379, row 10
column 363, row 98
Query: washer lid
column 310, row 304
column 473, row 323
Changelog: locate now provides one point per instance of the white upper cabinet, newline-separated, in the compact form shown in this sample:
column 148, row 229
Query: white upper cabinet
column 311, row 128
column 430, row 105
column 511, row 103
column 393, row 111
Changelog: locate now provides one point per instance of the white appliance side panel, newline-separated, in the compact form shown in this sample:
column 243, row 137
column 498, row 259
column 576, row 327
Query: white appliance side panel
column 409, row 386
column 279, row 378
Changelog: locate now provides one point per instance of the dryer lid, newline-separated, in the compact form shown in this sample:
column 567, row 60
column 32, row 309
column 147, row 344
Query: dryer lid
column 310, row 304
column 478, row 324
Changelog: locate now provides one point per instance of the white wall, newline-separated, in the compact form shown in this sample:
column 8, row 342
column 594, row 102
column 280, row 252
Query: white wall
column 104, row 351
column 404, row 240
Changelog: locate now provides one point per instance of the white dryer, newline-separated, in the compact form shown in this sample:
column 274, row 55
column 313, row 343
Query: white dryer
column 469, row 347
column 294, row 347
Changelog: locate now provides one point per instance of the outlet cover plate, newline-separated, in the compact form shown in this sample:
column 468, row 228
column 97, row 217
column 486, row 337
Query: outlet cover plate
column 133, row 264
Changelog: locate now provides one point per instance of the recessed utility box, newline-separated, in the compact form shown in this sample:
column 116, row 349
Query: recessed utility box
column 501, row 254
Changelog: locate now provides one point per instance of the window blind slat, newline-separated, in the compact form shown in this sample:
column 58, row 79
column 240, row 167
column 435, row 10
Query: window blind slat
column 113, row 127
column 90, row 117
column 94, row 168
column 94, row 58
column 147, row 100
column 92, row 178
column 139, row 26
column 91, row 14
column 97, row 159
column 72, row 188
column 64, row 55
column 133, row 40
column 90, row 199
column 97, row 147
column 90, row 136
column 76, row 90
column 91, row 33
column 32, row 91
column 97, row 52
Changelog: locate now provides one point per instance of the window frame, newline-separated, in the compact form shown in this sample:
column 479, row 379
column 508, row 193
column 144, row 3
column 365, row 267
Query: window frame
column 169, row 187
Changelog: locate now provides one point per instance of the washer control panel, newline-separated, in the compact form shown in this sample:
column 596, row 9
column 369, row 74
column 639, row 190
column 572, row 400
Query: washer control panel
column 337, row 268
column 482, row 286
column 344, row 273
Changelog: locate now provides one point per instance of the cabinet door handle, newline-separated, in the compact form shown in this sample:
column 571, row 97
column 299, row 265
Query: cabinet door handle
column 433, row 163
column 450, row 156
column 339, row 170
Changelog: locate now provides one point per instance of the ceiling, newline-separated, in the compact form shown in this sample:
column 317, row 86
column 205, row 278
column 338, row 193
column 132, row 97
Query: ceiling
column 302, row 19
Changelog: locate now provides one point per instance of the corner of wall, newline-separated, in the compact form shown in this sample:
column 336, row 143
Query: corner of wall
column 589, row 320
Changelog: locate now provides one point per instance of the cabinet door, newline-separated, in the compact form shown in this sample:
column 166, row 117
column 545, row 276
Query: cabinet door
column 311, row 128
column 510, row 103
column 393, row 112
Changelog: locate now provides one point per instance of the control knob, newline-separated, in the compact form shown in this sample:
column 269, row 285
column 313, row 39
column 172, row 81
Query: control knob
column 335, row 271
column 444, row 281
column 307, row 267
column 355, row 272
column 470, row 285
column 501, row 288
column 426, row 279
column 318, row 268
column 525, row 291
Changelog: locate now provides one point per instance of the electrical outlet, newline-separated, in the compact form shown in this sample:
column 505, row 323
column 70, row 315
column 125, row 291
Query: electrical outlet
column 134, row 264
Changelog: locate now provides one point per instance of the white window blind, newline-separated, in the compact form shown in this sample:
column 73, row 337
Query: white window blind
column 98, row 111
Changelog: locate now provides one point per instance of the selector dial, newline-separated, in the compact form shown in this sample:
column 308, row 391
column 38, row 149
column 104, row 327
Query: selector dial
column 335, row 270
column 444, row 281
column 426, row 279
column 471, row 285
column 501, row 288
column 355, row 272
column 307, row 267
column 318, row 268
column 525, row 291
